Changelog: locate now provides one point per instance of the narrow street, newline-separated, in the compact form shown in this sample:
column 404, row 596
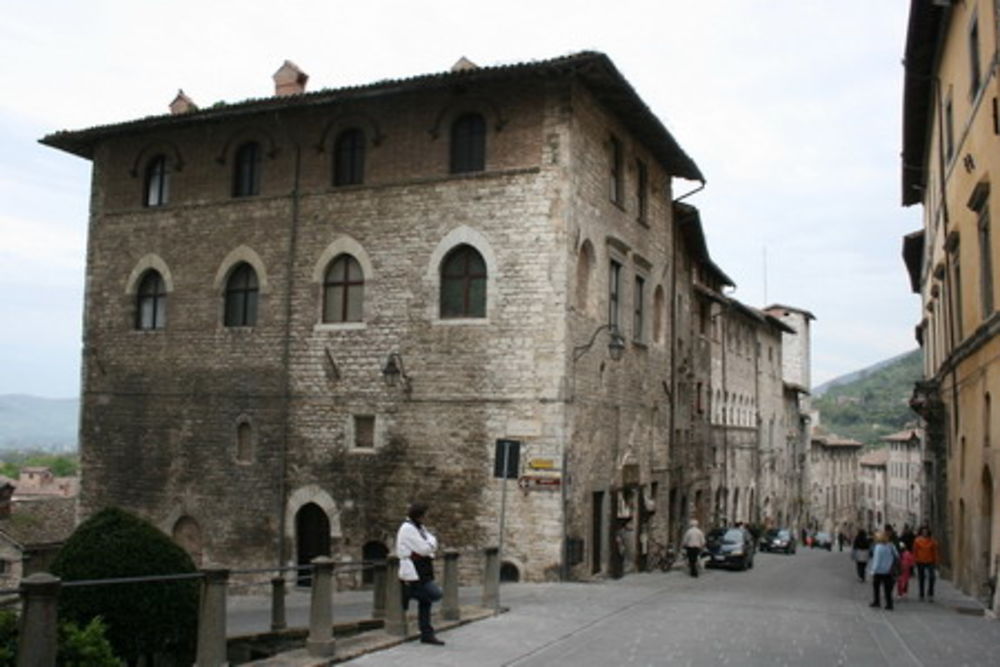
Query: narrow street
column 788, row 610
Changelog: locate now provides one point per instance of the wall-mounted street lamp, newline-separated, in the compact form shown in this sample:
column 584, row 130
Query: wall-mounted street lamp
column 616, row 344
column 394, row 373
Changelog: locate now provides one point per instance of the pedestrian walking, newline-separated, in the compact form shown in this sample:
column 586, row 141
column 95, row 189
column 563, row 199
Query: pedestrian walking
column 925, row 555
column 860, row 552
column 841, row 538
column 906, row 563
column 415, row 547
column 880, row 566
column 693, row 543
column 907, row 537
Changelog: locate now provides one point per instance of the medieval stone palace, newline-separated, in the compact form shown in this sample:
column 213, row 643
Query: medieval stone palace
column 305, row 310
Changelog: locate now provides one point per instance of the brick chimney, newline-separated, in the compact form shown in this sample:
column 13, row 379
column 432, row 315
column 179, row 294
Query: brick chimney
column 463, row 64
column 290, row 80
column 182, row 104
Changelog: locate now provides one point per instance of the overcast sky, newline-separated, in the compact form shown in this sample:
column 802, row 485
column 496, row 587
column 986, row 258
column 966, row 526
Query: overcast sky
column 791, row 108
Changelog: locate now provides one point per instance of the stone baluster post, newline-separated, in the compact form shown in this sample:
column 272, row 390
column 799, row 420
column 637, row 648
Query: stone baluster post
column 491, row 578
column 378, row 589
column 321, row 642
column 395, row 616
column 212, row 619
column 36, row 646
column 449, row 604
column 278, row 621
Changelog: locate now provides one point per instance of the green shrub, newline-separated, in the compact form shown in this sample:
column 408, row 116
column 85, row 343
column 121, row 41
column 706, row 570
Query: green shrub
column 143, row 619
column 88, row 647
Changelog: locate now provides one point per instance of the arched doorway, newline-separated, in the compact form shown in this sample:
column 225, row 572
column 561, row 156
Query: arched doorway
column 509, row 572
column 187, row 534
column 312, row 538
column 372, row 551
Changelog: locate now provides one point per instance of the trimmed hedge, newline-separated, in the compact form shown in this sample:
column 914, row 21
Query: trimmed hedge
column 142, row 619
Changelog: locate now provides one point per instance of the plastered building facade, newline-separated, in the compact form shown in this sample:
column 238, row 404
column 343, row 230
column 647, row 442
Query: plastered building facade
column 951, row 156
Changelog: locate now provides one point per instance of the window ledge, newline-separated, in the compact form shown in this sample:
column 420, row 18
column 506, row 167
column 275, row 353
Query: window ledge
column 339, row 326
column 462, row 321
column 357, row 451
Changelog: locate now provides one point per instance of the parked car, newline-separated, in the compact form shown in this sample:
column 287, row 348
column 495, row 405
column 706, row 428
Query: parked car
column 823, row 541
column 729, row 547
column 780, row 539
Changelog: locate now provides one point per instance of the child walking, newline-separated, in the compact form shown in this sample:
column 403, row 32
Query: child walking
column 906, row 564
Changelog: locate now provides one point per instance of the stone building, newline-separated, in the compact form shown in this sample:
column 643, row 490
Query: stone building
column 950, row 156
column 304, row 310
column 873, row 489
column 905, row 478
column 833, row 475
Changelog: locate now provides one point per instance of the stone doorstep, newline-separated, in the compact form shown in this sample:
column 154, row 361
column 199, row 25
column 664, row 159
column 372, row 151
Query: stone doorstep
column 348, row 648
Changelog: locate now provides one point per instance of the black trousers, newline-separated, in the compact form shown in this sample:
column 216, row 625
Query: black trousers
column 861, row 567
column 928, row 571
column 886, row 582
column 425, row 593
column 692, row 556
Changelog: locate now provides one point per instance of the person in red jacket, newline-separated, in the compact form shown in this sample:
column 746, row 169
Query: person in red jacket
column 925, row 553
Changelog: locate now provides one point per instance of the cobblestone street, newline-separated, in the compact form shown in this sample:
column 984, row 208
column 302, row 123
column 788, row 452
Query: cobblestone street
column 788, row 610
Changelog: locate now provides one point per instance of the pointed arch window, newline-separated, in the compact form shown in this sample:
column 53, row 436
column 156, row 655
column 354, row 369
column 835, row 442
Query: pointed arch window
column 241, row 297
column 151, row 302
column 246, row 170
column 343, row 290
column 463, row 283
column 468, row 143
column 157, row 182
column 349, row 158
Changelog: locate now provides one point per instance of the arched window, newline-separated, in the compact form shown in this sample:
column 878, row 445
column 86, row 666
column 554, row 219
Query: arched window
column 151, row 302
column 343, row 290
column 349, row 158
column 468, row 143
column 156, row 191
column 463, row 283
column 246, row 170
column 241, row 297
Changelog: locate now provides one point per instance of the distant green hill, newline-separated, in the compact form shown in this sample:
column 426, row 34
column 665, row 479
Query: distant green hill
column 874, row 403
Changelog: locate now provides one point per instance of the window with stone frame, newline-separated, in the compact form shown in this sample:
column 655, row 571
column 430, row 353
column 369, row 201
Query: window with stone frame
column 975, row 68
column 349, row 157
column 244, row 442
column 641, row 191
column 468, row 144
column 151, row 302
column 614, row 294
column 156, row 184
column 985, row 261
column 638, row 309
column 364, row 431
column 616, row 171
column 242, row 292
column 246, row 170
column 463, row 284
column 343, row 290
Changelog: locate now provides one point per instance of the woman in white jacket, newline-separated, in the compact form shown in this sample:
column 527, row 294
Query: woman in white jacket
column 415, row 547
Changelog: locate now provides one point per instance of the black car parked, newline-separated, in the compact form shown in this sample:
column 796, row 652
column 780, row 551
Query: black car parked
column 778, row 540
column 729, row 547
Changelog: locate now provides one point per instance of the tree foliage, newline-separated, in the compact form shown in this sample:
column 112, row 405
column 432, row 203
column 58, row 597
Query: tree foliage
column 78, row 647
column 143, row 619
column 61, row 465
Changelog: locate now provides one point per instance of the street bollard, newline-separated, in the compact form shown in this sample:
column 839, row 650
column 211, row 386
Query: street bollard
column 378, row 589
column 36, row 646
column 278, row 603
column 395, row 615
column 321, row 642
column 449, row 604
column 491, row 578
column 212, row 619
